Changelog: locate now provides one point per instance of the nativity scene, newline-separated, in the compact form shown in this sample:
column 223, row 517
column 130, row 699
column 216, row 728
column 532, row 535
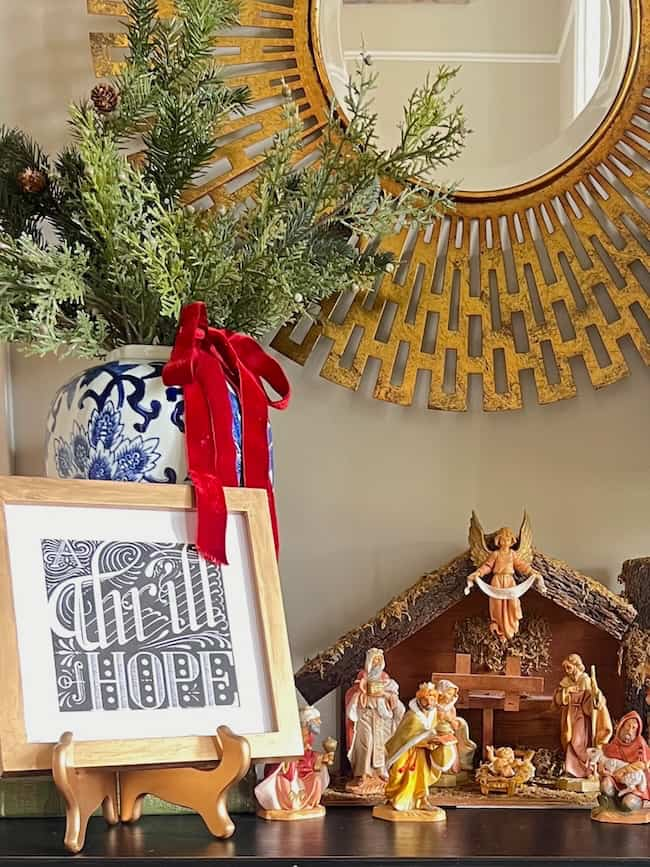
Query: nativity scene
column 515, row 694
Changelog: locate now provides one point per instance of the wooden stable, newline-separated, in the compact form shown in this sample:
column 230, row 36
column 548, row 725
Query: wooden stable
column 416, row 632
column 534, row 724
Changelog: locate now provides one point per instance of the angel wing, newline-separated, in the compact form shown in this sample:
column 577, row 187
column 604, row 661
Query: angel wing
column 478, row 550
column 525, row 543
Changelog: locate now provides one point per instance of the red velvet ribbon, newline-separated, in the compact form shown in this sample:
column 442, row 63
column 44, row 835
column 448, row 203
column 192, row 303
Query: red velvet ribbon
column 203, row 361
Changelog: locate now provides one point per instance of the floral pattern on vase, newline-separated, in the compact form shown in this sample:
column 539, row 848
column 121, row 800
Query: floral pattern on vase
column 118, row 421
column 103, row 452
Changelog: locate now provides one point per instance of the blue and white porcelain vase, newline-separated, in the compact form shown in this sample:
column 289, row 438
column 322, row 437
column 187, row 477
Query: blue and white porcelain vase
column 118, row 421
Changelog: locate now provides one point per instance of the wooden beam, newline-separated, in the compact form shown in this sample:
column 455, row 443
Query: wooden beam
column 494, row 682
column 513, row 666
column 513, row 669
column 487, row 729
column 537, row 703
column 585, row 597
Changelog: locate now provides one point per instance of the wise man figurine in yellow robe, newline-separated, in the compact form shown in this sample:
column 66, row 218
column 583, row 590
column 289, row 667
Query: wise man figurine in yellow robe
column 417, row 755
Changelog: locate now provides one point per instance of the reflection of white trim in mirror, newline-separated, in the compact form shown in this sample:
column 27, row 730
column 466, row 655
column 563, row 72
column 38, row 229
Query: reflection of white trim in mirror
column 331, row 43
column 599, row 88
column 592, row 23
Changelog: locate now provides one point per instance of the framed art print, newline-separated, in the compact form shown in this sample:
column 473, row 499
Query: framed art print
column 114, row 627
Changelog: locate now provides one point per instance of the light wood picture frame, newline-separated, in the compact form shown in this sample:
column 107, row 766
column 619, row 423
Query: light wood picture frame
column 71, row 549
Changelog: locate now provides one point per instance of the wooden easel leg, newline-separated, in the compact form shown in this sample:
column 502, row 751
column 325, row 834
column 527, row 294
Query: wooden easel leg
column 203, row 791
column 83, row 790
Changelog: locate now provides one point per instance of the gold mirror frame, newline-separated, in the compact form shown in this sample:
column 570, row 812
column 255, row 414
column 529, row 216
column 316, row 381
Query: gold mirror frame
column 525, row 279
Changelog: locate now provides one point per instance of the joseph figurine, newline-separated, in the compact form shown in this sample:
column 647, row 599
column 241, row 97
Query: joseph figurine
column 585, row 720
column 418, row 753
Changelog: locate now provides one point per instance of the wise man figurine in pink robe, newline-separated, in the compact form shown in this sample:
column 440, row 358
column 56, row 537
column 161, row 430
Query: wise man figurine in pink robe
column 372, row 713
column 293, row 789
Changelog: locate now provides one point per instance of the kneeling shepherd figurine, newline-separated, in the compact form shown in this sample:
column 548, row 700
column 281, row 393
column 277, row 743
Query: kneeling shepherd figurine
column 420, row 751
column 624, row 772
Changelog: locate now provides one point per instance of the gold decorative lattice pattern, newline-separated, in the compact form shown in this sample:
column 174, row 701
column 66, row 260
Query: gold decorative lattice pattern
column 529, row 279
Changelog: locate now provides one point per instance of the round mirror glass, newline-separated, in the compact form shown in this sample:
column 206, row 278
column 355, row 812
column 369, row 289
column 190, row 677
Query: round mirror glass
column 536, row 77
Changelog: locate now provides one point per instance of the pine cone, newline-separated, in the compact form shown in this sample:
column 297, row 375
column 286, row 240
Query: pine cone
column 104, row 97
column 32, row 180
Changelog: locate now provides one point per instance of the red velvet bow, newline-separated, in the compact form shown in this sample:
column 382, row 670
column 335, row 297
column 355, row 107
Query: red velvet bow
column 203, row 361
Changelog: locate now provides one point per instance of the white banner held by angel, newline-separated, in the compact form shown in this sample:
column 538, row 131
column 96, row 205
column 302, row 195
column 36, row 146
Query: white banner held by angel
column 513, row 555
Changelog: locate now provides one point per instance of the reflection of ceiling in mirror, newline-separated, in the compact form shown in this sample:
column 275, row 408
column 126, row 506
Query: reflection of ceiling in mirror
column 529, row 70
column 522, row 27
column 449, row 2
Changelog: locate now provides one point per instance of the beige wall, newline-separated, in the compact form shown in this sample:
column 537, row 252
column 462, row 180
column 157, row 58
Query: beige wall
column 44, row 64
column 372, row 495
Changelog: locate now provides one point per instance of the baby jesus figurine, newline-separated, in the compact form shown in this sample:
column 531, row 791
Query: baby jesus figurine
column 512, row 556
column 505, row 770
column 501, row 762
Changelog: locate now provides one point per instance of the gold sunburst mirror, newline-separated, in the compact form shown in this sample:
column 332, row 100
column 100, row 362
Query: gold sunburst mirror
column 541, row 264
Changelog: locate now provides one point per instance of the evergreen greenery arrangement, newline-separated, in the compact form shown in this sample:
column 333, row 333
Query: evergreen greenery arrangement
column 99, row 250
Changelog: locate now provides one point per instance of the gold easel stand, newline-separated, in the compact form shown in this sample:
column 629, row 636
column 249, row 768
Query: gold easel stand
column 83, row 790
column 201, row 790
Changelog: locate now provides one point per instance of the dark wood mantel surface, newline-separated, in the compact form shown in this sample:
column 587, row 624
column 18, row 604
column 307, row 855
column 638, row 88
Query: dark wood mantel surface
column 469, row 837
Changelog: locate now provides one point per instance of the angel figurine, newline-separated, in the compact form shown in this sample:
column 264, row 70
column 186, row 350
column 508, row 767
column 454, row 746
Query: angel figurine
column 513, row 555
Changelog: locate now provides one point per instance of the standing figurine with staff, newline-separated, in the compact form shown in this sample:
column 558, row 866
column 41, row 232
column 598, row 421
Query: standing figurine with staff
column 585, row 721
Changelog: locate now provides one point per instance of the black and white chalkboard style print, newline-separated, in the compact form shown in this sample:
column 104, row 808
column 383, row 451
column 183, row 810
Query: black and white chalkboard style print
column 137, row 626
column 124, row 631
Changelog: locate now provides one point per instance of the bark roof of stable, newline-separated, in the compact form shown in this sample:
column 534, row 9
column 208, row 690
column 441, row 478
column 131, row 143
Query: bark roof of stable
column 437, row 591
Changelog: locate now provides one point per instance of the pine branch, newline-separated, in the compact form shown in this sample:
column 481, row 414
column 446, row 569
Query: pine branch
column 141, row 27
column 182, row 139
column 20, row 212
column 172, row 92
